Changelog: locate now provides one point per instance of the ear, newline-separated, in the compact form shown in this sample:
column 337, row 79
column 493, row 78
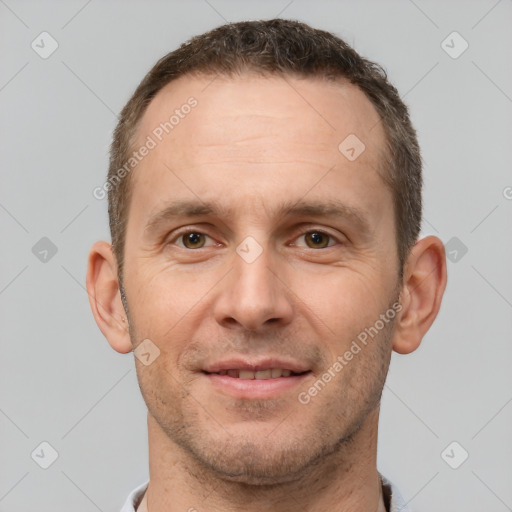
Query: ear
column 105, row 297
column 423, row 286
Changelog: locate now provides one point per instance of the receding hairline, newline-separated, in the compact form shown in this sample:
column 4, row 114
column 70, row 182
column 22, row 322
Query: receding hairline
column 335, row 78
column 383, row 150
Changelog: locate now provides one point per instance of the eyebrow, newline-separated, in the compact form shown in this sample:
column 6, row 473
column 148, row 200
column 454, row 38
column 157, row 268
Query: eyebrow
column 196, row 208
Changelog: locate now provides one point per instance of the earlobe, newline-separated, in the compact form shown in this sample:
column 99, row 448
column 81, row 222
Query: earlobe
column 423, row 287
column 104, row 297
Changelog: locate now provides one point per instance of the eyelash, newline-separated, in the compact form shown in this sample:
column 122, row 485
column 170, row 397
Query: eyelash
column 322, row 232
column 180, row 236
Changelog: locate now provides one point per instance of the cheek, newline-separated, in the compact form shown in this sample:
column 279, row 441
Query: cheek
column 346, row 306
column 161, row 290
column 347, row 296
column 165, row 306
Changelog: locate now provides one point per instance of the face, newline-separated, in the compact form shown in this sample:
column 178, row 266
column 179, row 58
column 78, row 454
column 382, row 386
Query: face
column 256, row 254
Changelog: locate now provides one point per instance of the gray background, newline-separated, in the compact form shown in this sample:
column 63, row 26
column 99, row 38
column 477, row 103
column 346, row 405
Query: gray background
column 60, row 381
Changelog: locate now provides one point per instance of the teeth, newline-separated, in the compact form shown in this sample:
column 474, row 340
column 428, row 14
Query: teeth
column 270, row 373
column 263, row 374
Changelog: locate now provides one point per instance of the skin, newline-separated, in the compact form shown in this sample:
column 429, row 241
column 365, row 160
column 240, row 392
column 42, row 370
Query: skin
column 251, row 144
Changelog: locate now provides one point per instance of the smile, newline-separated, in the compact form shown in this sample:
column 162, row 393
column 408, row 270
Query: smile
column 270, row 373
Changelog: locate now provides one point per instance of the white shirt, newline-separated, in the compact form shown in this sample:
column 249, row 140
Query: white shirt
column 397, row 503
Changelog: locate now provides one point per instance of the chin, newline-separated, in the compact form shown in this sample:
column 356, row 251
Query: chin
column 257, row 468
column 251, row 479
column 266, row 461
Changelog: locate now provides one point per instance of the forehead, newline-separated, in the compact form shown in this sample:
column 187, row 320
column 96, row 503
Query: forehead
column 328, row 109
column 256, row 133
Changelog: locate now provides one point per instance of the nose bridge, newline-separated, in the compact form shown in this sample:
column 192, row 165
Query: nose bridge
column 253, row 296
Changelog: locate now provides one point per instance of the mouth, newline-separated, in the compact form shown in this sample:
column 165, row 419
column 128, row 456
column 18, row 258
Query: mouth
column 249, row 380
column 269, row 373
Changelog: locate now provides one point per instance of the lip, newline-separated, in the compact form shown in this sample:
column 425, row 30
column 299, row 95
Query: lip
column 255, row 365
column 254, row 389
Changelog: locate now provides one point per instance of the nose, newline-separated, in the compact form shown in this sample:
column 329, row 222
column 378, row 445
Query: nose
column 254, row 296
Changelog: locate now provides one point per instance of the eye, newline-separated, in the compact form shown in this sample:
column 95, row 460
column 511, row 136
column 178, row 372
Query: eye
column 317, row 239
column 192, row 240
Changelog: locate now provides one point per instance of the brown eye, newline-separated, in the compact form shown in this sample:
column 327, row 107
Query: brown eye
column 316, row 239
column 193, row 240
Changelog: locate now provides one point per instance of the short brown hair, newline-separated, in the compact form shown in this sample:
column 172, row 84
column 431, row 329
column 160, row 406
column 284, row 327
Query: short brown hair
column 278, row 47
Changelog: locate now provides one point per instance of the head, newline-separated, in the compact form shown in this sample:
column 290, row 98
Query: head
column 270, row 48
column 273, row 218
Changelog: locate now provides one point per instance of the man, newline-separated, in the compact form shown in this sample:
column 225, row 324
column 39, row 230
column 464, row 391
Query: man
column 265, row 206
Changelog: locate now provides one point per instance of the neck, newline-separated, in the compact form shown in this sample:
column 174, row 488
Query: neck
column 345, row 480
